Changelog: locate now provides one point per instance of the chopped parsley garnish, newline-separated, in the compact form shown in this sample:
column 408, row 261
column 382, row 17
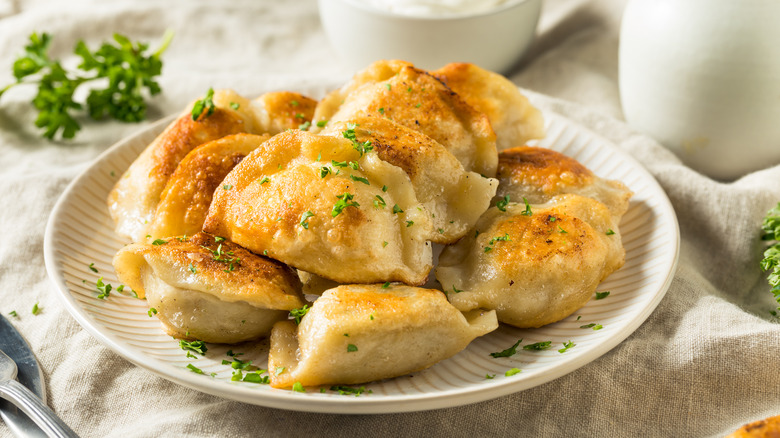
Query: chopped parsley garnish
column 384, row 188
column 601, row 295
column 218, row 239
column 552, row 218
column 512, row 372
column 235, row 105
column 381, row 110
column 349, row 134
column 151, row 311
column 36, row 309
column 294, row 102
column 305, row 126
column 226, row 257
column 207, row 104
column 13, row 313
column 456, row 290
column 322, row 123
column 191, row 356
column 371, row 317
column 527, row 211
column 158, row 242
column 264, row 180
column 388, row 86
column 256, row 378
column 227, row 187
column 324, row 171
column 299, row 116
column 440, row 230
column 561, row 230
column 386, row 285
column 501, row 204
column 397, row 209
column 418, row 105
column 338, row 163
column 592, row 325
column 409, row 223
column 511, row 351
column 384, row 244
column 598, row 327
column 359, row 179
column 566, row 346
column 348, row 390
column 504, row 238
column 297, row 387
column 538, row 346
column 305, row 219
column 343, row 202
column 279, row 370
column 610, row 232
column 379, row 202
column 192, row 269
column 196, row 346
column 351, row 348
column 194, row 369
column 103, row 288
column 488, row 376
column 92, row 268
column 297, row 314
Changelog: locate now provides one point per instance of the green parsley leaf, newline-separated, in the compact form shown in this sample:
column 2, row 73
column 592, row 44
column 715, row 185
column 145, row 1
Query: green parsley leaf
column 297, row 387
column 501, row 204
column 359, row 179
column 36, row 309
column 205, row 104
column 409, row 223
column 384, row 244
column 388, row 86
column 13, row 313
column 384, row 188
column 351, row 348
column 196, row 346
column 381, row 110
column 305, row 219
column 379, row 202
column 488, row 376
column 322, row 123
column 192, row 269
column 771, row 261
column 344, row 201
column 456, row 290
column 158, row 242
column 527, row 211
column 601, row 295
column 551, row 218
column 561, row 230
column 538, row 346
column 191, row 356
column 264, row 180
column 103, row 288
column 418, row 105
column 511, row 351
column 294, row 102
column 218, row 239
column 279, row 370
column 194, row 369
column 92, row 268
column 610, row 232
column 227, row 187
column 348, row 390
column 226, row 257
column 397, row 209
column 350, row 135
column 598, row 327
column 386, row 285
column 512, row 372
column 566, row 346
column 151, row 311
column 305, row 126
column 256, row 378
column 235, row 105
column 297, row 314
column 592, row 325
column 324, row 171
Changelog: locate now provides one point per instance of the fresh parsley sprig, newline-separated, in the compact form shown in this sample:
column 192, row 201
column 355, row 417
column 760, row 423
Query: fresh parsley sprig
column 123, row 68
column 771, row 260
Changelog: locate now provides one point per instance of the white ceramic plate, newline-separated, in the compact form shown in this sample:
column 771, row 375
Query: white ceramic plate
column 80, row 232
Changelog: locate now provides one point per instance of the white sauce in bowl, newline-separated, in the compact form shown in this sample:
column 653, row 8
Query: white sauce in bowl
column 438, row 8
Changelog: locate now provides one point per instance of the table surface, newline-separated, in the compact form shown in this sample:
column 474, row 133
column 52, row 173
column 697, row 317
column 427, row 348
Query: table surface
column 701, row 365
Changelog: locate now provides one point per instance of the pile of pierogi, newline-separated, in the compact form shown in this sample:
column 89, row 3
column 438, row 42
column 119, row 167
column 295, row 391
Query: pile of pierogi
column 242, row 209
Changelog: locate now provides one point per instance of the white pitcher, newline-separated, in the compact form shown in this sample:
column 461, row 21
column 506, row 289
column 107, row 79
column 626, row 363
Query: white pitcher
column 703, row 78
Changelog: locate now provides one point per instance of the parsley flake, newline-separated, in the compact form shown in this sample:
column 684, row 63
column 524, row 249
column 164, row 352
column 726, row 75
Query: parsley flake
column 511, row 351
column 194, row 369
column 196, row 346
column 601, row 295
column 344, row 201
column 610, row 232
column 456, row 290
column 322, row 123
column 92, row 268
column 490, row 377
column 566, row 346
column 379, row 202
column 227, row 187
column 151, row 311
column 527, row 211
column 351, row 348
column 561, row 230
column 305, row 219
column 538, row 346
column 264, row 180
column 359, row 179
column 103, row 288
column 386, row 285
column 348, row 390
column 501, row 204
column 409, row 223
column 397, row 209
column 13, row 313
column 297, row 314
column 207, row 104
column 158, row 242
column 235, row 105
column 512, row 372
column 297, row 387
column 192, row 269
column 36, row 309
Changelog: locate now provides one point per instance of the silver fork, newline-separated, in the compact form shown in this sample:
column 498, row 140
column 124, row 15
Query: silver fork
column 31, row 405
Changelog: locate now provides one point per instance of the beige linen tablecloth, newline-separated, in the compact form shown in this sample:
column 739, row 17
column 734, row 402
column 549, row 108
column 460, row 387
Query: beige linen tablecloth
column 704, row 363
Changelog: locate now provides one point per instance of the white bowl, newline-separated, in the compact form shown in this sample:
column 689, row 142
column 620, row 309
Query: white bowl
column 494, row 40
